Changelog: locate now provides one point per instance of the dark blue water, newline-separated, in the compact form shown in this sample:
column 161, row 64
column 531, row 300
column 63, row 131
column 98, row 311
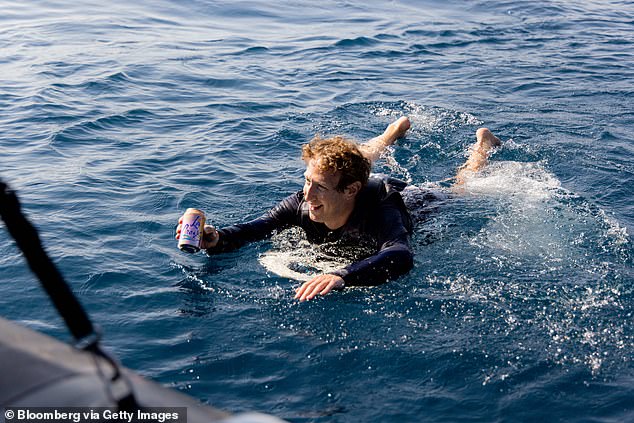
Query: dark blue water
column 117, row 116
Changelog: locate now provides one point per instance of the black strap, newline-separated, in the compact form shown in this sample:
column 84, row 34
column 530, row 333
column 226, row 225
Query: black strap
column 59, row 292
column 28, row 241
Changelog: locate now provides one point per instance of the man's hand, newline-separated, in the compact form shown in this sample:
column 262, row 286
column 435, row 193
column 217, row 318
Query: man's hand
column 321, row 284
column 210, row 238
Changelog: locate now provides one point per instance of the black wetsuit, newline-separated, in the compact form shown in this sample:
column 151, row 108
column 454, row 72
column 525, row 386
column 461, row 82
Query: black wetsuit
column 379, row 219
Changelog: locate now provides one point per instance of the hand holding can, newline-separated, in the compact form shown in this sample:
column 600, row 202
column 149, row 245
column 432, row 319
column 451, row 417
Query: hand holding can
column 190, row 231
column 208, row 239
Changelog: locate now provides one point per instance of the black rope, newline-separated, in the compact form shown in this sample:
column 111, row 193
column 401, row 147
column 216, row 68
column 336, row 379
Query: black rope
column 28, row 241
column 67, row 305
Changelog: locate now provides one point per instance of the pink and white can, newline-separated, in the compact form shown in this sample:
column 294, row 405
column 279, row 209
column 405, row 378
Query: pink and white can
column 192, row 231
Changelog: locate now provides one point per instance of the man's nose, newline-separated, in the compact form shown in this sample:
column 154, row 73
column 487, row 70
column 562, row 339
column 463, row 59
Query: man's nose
column 309, row 191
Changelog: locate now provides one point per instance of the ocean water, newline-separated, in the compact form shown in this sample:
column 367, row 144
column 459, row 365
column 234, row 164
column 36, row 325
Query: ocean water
column 117, row 116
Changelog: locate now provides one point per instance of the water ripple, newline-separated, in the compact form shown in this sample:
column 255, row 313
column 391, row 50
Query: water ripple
column 520, row 303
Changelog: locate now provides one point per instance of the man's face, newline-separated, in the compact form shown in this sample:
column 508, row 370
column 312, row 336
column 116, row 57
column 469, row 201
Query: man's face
column 326, row 204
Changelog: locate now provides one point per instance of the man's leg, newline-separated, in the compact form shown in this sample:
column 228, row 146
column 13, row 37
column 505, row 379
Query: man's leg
column 480, row 152
column 395, row 130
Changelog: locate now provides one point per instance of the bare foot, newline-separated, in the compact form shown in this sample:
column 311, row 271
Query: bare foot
column 486, row 139
column 480, row 151
column 395, row 130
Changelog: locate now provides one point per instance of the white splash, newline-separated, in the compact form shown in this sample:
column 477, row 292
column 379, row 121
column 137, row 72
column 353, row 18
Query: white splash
column 293, row 257
column 524, row 182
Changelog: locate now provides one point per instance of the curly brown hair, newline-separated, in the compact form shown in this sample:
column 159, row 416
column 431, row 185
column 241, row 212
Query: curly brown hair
column 338, row 154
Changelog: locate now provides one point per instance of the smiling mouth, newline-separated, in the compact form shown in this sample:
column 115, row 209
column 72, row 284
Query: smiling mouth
column 313, row 208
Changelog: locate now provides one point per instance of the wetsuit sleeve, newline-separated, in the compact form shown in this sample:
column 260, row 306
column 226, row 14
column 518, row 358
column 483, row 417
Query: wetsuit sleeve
column 394, row 257
column 280, row 217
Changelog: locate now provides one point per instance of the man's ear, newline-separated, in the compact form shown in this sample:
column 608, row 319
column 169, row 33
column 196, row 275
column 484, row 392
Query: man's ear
column 353, row 189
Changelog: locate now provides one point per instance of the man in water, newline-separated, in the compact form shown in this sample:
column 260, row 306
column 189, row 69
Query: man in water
column 340, row 202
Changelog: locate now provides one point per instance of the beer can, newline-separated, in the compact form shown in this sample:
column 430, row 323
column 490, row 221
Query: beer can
column 192, row 231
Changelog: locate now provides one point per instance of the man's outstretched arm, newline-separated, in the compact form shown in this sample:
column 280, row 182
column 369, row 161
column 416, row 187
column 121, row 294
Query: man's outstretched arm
column 232, row 237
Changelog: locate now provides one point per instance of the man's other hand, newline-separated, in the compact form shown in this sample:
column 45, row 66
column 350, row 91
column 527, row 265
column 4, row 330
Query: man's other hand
column 321, row 285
